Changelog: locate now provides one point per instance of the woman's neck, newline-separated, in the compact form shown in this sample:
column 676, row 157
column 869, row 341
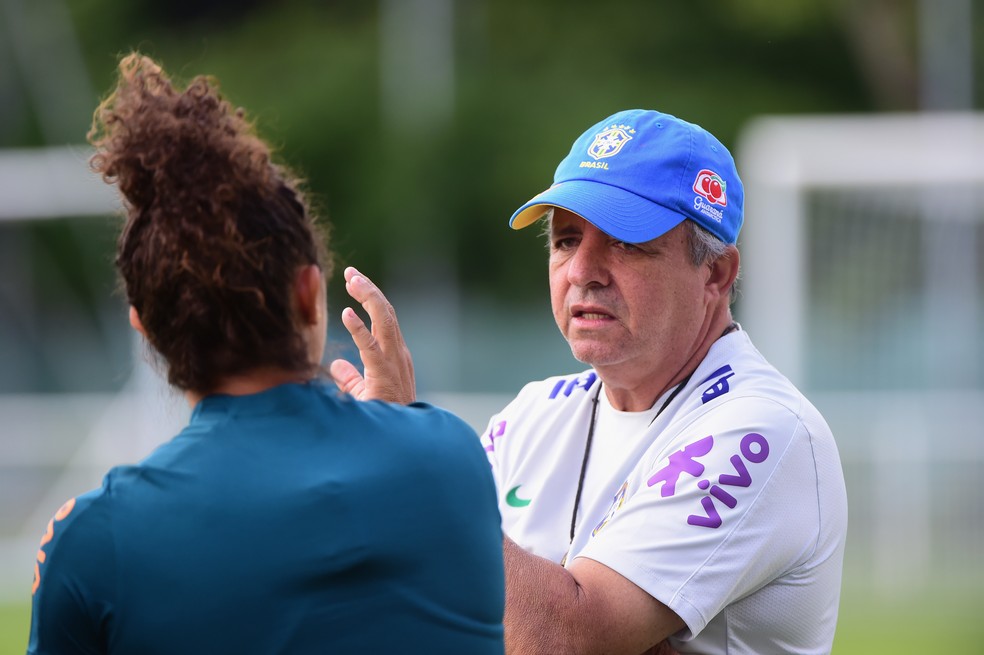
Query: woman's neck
column 251, row 382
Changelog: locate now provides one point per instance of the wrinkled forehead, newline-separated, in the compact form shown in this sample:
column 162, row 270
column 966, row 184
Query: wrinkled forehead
column 558, row 220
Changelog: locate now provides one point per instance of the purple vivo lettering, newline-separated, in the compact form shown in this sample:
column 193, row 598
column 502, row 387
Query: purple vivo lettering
column 755, row 449
column 724, row 496
column 711, row 519
column 762, row 451
column 743, row 479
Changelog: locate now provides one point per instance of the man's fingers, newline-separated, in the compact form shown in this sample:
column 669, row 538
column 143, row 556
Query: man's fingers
column 361, row 335
column 347, row 377
column 381, row 312
column 388, row 363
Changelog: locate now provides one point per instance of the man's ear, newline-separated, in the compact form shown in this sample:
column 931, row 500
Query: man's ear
column 136, row 323
column 308, row 290
column 724, row 271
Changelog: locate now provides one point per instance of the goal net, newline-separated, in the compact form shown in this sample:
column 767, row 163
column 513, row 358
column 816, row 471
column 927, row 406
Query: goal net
column 863, row 267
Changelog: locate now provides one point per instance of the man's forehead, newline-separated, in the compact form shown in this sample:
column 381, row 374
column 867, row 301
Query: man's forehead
column 559, row 219
column 563, row 221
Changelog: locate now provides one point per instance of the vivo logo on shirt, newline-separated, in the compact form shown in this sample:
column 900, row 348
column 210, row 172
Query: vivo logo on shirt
column 753, row 448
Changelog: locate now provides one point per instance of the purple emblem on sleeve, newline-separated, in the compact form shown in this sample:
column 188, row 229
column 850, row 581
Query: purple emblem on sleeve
column 495, row 432
column 680, row 462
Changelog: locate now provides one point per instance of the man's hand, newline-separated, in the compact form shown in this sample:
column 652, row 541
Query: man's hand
column 385, row 356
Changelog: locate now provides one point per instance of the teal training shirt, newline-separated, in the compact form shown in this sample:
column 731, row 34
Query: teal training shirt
column 297, row 520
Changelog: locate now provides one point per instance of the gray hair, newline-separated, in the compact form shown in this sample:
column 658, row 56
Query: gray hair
column 705, row 247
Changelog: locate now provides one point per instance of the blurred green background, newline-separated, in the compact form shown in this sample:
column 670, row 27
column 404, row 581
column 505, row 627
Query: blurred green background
column 420, row 125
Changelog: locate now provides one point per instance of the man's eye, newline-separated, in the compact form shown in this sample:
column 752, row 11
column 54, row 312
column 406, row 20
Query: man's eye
column 565, row 244
column 624, row 245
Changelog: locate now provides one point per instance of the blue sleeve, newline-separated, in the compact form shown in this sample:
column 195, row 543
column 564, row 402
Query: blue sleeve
column 73, row 578
column 459, row 493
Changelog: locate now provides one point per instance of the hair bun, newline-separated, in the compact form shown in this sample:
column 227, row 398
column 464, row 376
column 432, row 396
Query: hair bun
column 178, row 149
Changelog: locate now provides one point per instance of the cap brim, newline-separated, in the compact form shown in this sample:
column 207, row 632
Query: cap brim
column 613, row 210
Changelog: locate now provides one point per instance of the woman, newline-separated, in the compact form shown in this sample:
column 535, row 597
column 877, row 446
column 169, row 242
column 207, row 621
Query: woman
column 286, row 517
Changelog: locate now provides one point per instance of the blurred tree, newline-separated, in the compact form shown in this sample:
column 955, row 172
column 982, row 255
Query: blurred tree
column 882, row 36
column 180, row 13
column 528, row 77
column 525, row 77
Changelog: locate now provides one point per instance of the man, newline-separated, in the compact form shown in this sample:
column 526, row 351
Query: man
column 681, row 488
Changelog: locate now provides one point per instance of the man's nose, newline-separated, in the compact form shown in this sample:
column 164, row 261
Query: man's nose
column 589, row 265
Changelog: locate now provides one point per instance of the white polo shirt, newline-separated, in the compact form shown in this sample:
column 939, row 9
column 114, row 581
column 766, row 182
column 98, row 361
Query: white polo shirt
column 730, row 507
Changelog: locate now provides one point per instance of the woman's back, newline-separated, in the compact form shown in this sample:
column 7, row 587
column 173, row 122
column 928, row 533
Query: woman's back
column 285, row 518
column 294, row 520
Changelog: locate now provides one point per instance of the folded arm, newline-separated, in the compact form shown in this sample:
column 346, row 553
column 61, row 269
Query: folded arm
column 588, row 608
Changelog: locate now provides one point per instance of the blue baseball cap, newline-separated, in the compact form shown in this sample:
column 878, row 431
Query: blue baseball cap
column 639, row 173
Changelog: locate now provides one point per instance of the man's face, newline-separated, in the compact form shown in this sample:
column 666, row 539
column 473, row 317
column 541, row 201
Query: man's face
column 638, row 307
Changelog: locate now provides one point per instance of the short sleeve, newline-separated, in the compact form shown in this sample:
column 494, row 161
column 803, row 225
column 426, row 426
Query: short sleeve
column 73, row 578
column 731, row 505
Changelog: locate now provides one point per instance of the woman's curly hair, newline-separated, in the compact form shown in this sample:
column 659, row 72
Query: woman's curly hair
column 215, row 232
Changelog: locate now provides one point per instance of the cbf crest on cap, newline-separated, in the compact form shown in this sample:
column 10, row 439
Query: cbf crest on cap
column 608, row 142
column 639, row 173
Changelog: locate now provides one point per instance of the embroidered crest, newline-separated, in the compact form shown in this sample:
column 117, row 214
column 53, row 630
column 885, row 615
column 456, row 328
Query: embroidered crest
column 617, row 503
column 607, row 143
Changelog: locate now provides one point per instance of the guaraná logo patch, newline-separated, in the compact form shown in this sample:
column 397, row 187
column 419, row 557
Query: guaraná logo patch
column 713, row 189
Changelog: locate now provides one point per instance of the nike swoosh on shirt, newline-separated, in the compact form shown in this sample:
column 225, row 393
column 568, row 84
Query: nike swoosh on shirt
column 513, row 500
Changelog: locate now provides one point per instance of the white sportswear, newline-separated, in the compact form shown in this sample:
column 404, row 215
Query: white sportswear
column 730, row 507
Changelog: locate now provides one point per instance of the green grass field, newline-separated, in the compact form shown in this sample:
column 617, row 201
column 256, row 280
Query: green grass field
column 15, row 620
column 935, row 622
column 943, row 621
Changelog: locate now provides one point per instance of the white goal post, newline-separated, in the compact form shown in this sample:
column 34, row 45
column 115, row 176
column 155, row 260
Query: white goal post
column 42, row 183
column 782, row 159
column 863, row 281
